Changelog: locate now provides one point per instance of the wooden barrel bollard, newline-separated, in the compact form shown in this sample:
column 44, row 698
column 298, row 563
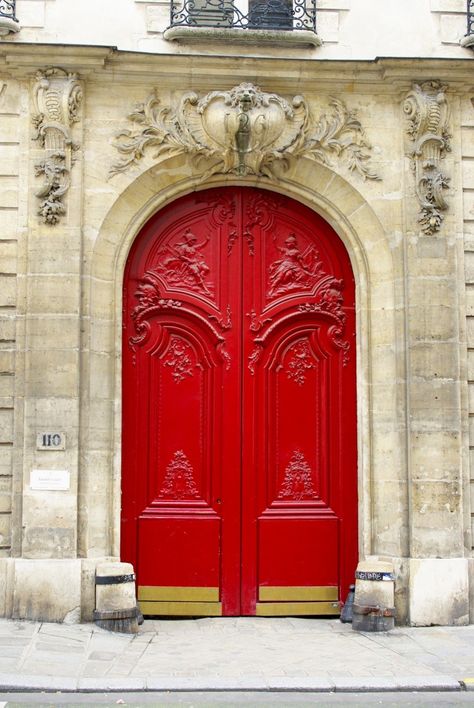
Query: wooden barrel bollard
column 115, row 600
column 373, row 609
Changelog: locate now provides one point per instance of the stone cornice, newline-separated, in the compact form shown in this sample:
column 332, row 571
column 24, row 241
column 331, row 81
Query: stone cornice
column 22, row 60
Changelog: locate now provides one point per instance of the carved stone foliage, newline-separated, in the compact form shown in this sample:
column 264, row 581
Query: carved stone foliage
column 298, row 482
column 150, row 302
column 179, row 479
column 57, row 97
column 295, row 270
column 183, row 264
column 427, row 111
column 244, row 131
column 301, row 360
column 179, row 359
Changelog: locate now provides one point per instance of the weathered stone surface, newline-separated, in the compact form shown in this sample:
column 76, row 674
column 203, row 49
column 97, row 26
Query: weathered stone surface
column 114, row 596
column 439, row 591
column 47, row 590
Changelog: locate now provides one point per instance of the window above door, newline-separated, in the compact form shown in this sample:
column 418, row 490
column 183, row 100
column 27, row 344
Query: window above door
column 249, row 21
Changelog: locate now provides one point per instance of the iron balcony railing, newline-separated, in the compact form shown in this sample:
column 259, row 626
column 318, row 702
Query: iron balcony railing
column 7, row 9
column 470, row 17
column 245, row 14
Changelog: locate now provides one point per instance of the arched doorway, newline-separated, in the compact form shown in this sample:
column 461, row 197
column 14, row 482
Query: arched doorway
column 239, row 480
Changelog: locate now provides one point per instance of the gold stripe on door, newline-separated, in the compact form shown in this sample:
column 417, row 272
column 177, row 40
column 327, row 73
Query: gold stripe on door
column 177, row 594
column 296, row 609
column 300, row 593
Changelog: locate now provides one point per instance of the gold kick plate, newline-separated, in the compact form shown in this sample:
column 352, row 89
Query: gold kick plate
column 181, row 609
column 179, row 601
column 296, row 609
column 177, row 594
column 305, row 593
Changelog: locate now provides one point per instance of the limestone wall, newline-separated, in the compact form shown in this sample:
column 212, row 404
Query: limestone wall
column 349, row 29
column 467, row 134
column 61, row 309
column 12, row 214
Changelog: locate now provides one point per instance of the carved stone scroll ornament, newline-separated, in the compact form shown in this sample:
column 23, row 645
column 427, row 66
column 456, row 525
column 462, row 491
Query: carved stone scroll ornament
column 427, row 111
column 244, row 131
column 57, row 97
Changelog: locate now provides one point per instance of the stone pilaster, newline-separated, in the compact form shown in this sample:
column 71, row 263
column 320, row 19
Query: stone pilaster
column 435, row 451
column 52, row 324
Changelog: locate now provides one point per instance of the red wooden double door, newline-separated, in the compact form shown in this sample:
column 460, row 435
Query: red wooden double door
column 239, row 493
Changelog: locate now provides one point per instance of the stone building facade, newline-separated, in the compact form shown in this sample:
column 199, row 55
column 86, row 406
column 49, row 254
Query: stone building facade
column 378, row 139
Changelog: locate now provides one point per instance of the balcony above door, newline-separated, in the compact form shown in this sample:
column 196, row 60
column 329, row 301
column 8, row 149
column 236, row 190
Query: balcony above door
column 249, row 21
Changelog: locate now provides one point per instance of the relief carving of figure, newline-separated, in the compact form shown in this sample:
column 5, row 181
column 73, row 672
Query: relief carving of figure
column 296, row 270
column 185, row 264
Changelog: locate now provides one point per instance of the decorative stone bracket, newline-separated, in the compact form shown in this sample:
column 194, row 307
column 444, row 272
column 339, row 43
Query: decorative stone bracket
column 244, row 131
column 427, row 111
column 57, row 97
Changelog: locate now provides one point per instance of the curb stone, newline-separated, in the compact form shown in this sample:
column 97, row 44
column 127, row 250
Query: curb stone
column 10, row 682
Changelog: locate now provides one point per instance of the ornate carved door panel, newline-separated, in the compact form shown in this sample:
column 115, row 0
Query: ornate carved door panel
column 239, row 425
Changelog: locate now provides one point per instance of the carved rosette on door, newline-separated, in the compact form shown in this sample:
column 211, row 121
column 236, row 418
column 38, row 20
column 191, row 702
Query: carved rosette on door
column 239, row 442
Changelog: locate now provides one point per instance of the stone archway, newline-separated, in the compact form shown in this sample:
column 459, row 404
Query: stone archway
column 380, row 445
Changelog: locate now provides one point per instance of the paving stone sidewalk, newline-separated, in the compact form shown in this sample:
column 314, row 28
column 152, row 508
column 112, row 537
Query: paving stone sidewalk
column 234, row 654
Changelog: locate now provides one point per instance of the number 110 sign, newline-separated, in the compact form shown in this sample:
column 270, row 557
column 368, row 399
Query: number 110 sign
column 51, row 441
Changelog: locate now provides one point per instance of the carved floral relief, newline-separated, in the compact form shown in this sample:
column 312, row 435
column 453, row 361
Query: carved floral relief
column 297, row 482
column 427, row 110
column 244, row 131
column 179, row 481
column 179, row 359
column 300, row 362
column 57, row 97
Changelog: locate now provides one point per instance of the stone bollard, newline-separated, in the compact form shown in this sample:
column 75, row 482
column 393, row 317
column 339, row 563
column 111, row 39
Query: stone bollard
column 374, row 599
column 115, row 600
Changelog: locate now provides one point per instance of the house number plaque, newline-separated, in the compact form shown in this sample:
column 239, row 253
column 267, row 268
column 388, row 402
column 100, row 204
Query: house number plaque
column 51, row 441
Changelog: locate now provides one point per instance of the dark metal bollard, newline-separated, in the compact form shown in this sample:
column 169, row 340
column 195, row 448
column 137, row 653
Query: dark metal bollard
column 346, row 612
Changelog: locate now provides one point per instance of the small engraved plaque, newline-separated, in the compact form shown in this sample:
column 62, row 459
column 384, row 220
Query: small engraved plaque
column 51, row 441
column 50, row 480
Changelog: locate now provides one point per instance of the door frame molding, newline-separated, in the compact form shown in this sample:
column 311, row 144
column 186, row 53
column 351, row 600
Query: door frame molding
column 380, row 329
